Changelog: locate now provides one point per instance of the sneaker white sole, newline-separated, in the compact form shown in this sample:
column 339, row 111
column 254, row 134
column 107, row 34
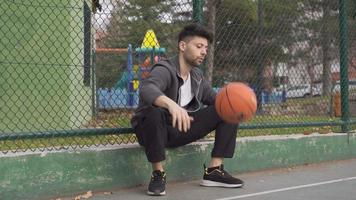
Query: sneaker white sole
column 208, row 183
column 156, row 194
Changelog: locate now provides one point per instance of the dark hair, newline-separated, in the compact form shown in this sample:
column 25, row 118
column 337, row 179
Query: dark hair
column 195, row 30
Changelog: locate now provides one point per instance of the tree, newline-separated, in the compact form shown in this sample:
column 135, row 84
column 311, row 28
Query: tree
column 132, row 18
column 211, row 24
column 321, row 21
column 128, row 23
column 239, row 47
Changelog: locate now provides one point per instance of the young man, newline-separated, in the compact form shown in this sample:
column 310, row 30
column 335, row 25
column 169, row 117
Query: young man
column 177, row 107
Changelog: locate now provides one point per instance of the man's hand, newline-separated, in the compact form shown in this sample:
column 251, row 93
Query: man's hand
column 180, row 117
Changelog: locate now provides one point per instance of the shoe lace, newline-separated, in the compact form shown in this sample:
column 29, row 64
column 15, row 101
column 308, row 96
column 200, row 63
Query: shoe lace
column 158, row 176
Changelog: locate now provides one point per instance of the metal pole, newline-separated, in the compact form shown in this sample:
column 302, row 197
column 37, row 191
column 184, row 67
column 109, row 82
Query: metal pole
column 198, row 11
column 260, row 60
column 345, row 112
column 95, row 96
column 130, row 89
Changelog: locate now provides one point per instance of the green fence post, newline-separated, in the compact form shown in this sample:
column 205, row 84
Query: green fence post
column 345, row 112
column 260, row 59
column 198, row 11
column 95, row 95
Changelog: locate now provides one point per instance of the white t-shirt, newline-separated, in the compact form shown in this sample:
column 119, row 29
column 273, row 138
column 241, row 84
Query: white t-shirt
column 185, row 92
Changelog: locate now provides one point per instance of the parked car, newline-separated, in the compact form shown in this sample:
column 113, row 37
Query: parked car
column 303, row 90
column 352, row 86
column 317, row 90
column 298, row 91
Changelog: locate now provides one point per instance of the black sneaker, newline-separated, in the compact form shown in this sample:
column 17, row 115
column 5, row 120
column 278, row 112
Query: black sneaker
column 218, row 177
column 157, row 186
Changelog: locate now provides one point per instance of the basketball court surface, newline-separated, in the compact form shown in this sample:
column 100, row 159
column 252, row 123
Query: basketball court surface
column 323, row 181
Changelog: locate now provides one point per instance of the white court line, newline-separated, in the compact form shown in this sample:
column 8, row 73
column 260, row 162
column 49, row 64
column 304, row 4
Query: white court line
column 288, row 188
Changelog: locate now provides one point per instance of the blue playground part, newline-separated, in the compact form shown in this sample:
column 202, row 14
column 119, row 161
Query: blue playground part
column 267, row 98
column 113, row 98
column 274, row 97
column 130, row 77
column 123, row 94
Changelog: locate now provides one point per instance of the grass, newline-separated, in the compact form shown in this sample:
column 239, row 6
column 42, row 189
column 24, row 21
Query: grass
column 64, row 142
column 87, row 141
column 123, row 119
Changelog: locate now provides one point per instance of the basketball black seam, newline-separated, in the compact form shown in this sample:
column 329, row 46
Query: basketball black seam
column 228, row 99
column 248, row 104
column 221, row 105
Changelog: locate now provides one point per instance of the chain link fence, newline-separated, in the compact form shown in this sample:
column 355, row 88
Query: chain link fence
column 70, row 70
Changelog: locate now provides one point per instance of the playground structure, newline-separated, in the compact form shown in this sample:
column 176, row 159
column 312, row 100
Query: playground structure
column 124, row 94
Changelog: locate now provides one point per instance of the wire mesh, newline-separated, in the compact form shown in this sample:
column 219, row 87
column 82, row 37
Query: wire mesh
column 70, row 70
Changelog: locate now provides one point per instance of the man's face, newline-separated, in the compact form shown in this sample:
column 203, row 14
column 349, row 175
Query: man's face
column 194, row 50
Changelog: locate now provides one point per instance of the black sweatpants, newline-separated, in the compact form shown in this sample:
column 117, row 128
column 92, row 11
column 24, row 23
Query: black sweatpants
column 155, row 132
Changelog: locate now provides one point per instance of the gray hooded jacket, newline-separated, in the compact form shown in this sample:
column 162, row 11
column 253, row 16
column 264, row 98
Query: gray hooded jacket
column 165, row 79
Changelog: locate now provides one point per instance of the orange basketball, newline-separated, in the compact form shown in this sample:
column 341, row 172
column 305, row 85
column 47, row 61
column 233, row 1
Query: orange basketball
column 236, row 102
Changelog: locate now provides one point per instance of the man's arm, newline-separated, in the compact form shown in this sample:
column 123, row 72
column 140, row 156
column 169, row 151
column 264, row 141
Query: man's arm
column 180, row 116
column 152, row 93
column 154, row 85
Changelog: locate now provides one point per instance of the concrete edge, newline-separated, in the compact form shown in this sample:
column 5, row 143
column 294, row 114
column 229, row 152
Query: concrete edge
column 49, row 174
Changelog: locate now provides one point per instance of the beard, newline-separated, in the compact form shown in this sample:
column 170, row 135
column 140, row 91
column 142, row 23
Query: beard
column 193, row 62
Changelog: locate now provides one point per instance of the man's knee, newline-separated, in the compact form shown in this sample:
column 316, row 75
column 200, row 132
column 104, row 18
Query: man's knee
column 154, row 112
column 149, row 124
